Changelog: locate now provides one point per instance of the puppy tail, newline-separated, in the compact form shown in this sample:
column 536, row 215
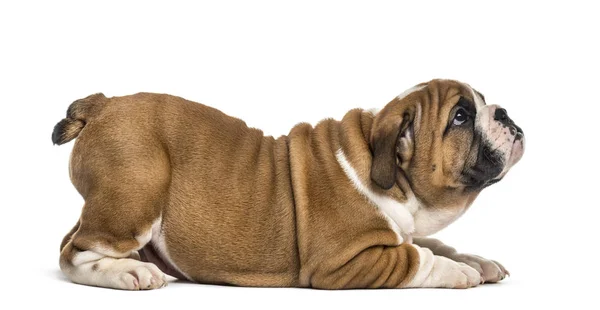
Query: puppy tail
column 79, row 113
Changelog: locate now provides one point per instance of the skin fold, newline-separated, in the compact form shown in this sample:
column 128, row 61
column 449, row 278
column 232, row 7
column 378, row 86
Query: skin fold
column 176, row 187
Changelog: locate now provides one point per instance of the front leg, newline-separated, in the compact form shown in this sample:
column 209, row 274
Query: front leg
column 490, row 270
column 401, row 266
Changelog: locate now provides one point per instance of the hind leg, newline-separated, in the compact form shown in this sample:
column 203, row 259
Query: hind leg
column 68, row 236
column 92, row 261
column 102, row 250
column 124, row 190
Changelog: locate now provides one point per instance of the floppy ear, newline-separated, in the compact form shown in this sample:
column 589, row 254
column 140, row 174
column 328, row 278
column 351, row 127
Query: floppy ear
column 386, row 142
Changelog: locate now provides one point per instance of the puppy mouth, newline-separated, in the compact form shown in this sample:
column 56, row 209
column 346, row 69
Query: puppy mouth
column 512, row 127
column 517, row 132
column 478, row 178
column 490, row 166
column 517, row 150
column 485, row 171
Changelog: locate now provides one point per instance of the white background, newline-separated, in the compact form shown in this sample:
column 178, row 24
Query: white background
column 276, row 64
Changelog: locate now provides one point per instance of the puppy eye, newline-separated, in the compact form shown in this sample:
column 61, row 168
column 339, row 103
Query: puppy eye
column 460, row 117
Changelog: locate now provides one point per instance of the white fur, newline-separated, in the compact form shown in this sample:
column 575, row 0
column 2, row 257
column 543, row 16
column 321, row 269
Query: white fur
column 397, row 214
column 86, row 257
column 97, row 252
column 495, row 134
column 158, row 241
column 103, row 251
column 428, row 222
column 410, row 91
column 100, row 251
column 374, row 111
column 405, row 218
column 115, row 273
column 479, row 104
column 102, row 266
column 426, row 260
column 144, row 238
column 405, row 93
column 439, row 271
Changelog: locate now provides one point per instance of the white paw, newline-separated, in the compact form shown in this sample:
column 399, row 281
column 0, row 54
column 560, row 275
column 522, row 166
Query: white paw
column 490, row 270
column 119, row 273
column 143, row 277
column 439, row 271
column 457, row 275
column 472, row 277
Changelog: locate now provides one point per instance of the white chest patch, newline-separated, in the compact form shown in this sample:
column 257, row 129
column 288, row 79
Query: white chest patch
column 429, row 222
column 397, row 214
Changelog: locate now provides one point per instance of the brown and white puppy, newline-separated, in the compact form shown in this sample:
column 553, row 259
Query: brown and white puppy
column 176, row 187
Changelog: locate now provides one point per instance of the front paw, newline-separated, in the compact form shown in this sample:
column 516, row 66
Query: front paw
column 491, row 271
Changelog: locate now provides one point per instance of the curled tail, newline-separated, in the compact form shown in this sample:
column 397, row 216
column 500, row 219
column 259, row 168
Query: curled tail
column 78, row 114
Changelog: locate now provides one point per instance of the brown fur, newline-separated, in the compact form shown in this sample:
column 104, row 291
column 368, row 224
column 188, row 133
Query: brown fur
column 241, row 208
column 77, row 114
column 435, row 176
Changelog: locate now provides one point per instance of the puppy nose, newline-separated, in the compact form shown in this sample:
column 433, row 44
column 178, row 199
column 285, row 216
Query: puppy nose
column 501, row 115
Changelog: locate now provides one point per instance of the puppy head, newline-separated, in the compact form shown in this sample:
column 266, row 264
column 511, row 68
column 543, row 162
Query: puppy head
column 445, row 141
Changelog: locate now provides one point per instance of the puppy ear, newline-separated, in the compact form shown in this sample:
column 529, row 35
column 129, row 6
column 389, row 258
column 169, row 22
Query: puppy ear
column 386, row 142
column 405, row 146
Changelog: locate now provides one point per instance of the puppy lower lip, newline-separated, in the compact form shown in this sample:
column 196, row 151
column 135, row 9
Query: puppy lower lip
column 494, row 181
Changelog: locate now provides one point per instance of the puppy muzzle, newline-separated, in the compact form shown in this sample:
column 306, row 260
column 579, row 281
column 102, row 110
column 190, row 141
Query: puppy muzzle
column 502, row 146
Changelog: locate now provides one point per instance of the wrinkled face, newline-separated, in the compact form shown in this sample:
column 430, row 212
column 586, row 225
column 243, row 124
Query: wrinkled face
column 479, row 142
column 446, row 142
column 497, row 145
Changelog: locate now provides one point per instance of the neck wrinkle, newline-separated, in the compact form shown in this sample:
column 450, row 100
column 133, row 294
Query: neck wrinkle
column 354, row 138
column 404, row 187
column 354, row 142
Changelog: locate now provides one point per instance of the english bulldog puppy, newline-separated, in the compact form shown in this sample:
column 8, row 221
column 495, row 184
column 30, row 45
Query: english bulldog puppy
column 175, row 187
